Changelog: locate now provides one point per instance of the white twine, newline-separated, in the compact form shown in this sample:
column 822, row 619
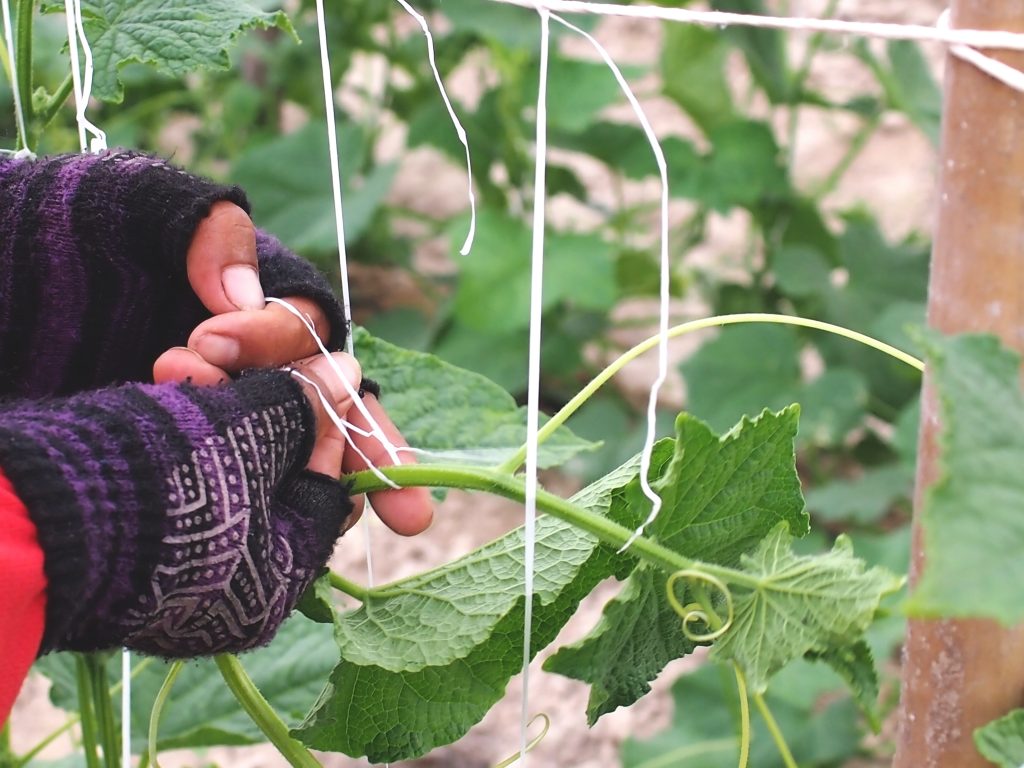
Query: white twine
column 19, row 114
column 339, row 224
column 375, row 429
column 459, row 130
column 975, row 38
column 1002, row 72
column 665, row 279
column 533, row 377
column 90, row 137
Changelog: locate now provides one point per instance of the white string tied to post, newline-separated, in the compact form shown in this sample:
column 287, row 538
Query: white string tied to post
column 974, row 38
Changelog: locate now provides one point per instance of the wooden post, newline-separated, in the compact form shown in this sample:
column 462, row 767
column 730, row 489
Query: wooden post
column 959, row 675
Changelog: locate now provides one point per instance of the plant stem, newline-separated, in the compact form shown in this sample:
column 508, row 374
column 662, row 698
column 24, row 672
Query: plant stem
column 74, row 719
column 262, row 713
column 104, row 708
column 856, row 146
column 493, row 481
column 775, row 731
column 23, row 57
column 48, row 740
column 55, row 102
column 350, row 588
column 798, row 81
column 5, row 60
column 510, row 466
column 741, row 689
column 158, row 708
column 85, row 699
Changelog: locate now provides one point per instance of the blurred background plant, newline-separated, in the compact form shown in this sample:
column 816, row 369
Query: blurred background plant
column 731, row 107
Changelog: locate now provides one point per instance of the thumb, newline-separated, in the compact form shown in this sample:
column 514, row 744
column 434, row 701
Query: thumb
column 221, row 261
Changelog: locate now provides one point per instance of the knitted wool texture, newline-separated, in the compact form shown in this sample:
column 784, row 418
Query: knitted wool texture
column 93, row 285
column 176, row 520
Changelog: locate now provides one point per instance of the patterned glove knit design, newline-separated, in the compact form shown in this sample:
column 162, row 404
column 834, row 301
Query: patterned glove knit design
column 93, row 284
column 175, row 520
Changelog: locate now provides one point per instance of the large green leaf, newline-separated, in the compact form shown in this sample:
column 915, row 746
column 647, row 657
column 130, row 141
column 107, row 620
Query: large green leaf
column 973, row 526
column 453, row 412
column 721, row 496
column 1002, row 741
column 174, row 36
column 801, row 604
column 288, row 181
column 426, row 657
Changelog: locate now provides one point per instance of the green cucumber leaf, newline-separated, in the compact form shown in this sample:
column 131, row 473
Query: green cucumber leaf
column 426, row 657
column 802, row 604
column 174, row 36
column 453, row 413
column 855, row 664
column 1002, row 740
column 973, row 529
column 721, row 496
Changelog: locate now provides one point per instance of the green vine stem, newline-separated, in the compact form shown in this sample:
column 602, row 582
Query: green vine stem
column 774, row 730
column 350, row 588
column 23, row 59
column 73, row 720
column 741, row 689
column 259, row 709
column 85, row 708
column 5, row 60
column 158, row 708
column 510, row 487
column 512, row 464
column 103, row 708
column 55, row 102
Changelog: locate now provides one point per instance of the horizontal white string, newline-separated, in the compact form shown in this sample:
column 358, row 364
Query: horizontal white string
column 975, row 38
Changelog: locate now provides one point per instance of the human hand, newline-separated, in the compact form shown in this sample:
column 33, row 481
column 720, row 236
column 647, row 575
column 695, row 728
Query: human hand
column 98, row 285
column 245, row 331
column 406, row 511
column 212, row 514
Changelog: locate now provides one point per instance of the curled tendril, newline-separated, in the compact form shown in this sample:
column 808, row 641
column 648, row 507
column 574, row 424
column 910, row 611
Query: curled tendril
column 701, row 612
column 513, row 759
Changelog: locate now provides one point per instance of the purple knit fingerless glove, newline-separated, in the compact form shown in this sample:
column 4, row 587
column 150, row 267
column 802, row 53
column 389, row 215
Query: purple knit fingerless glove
column 93, row 284
column 175, row 520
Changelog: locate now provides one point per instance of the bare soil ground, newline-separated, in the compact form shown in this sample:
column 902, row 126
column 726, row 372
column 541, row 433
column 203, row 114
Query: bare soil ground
column 894, row 176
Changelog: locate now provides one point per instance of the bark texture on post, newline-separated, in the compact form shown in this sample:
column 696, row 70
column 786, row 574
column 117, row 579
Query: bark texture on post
column 959, row 675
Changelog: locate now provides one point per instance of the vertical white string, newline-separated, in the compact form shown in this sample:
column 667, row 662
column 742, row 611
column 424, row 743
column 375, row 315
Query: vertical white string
column 533, row 384
column 663, row 314
column 90, row 137
column 339, row 223
column 19, row 114
column 459, row 130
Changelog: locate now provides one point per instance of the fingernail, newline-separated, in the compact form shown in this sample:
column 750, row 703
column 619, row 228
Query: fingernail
column 219, row 350
column 242, row 287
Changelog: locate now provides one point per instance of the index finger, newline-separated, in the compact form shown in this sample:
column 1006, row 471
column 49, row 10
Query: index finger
column 406, row 511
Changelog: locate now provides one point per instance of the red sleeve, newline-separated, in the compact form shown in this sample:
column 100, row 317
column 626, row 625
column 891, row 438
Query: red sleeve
column 22, row 596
